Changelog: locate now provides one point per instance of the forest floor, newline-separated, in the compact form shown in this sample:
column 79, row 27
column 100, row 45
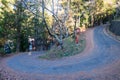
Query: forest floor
column 100, row 60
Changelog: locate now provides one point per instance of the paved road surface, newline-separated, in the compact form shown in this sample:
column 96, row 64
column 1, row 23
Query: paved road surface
column 100, row 62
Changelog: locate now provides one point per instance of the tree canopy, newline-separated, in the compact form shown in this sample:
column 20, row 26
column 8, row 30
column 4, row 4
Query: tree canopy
column 46, row 20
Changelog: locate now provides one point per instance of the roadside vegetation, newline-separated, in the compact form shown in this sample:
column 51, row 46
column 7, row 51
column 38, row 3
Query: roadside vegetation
column 40, row 21
column 70, row 49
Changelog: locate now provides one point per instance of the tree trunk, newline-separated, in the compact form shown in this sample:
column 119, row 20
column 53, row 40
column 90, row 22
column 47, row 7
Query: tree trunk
column 75, row 25
column 18, row 25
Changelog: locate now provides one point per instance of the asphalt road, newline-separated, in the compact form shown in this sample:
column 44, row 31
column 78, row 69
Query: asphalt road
column 101, row 60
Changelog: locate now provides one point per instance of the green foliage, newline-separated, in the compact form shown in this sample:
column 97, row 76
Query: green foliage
column 17, row 22
column 4, row 2
column 70, row 49
column 92, row 11
column 2, row 42
column 24, row 43
column 2, row 52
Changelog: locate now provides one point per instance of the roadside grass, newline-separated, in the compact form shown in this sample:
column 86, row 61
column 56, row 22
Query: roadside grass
column 70, row 49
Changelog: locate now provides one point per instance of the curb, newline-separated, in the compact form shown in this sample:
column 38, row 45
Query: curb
column 110, row 34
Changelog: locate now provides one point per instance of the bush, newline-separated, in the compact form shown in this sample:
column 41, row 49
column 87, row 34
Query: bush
column 70, row 49
column 2, row 41
column 2, row 53
column 24, row 43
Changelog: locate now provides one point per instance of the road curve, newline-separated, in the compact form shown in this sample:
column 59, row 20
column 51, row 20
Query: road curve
column 99, row 61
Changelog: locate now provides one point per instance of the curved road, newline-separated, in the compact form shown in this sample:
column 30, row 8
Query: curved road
column 100, row 61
